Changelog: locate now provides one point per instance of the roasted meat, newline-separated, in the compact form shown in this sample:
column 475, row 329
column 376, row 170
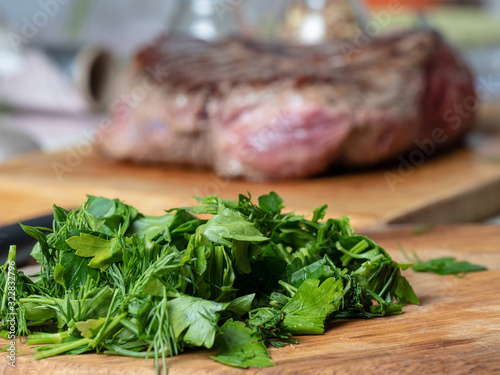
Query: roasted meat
column 262, row 111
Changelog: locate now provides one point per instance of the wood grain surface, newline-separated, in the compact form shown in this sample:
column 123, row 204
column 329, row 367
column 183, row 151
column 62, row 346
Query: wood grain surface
column 454, row 330
column 460, row 186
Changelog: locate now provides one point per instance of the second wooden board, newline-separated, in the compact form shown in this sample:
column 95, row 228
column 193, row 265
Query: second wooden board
column 456, row 187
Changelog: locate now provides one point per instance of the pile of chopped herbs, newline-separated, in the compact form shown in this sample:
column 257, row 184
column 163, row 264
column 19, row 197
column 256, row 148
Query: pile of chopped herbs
column 231, row 275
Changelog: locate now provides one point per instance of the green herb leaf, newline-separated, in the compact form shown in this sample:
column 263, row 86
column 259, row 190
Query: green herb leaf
column 58, row 274
column 312, row 303
column 446, row 266
column 194, row 320
column 241, row 305
column 265, row 317
column 103, row 252
column 151, row 226
column 230, row 224
column 35, row 312
column 109, row 216
column 240, row 347
column 271, row 203
column 312, row 271
column 91, row 327
column 75, row 270
column 405, row 292
column 240, row 252
column 319, row 213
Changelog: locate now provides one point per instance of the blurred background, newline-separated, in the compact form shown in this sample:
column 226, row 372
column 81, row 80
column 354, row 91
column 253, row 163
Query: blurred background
column 59, row 60
column 58, row 57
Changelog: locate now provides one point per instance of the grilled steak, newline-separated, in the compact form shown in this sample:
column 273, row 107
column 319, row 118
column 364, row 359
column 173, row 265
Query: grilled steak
column 275, row 111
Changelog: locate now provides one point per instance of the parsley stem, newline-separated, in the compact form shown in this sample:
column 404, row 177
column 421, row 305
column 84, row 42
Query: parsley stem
column 115, row 349
column 47, row 338
column 45, row 301
column 106, row 329
column 10, row 258
column 12, row 254
column 353, row 253
column 129, row 325
column 61, row 348
column 283, row 254
column 390, row 281
column 289, row 288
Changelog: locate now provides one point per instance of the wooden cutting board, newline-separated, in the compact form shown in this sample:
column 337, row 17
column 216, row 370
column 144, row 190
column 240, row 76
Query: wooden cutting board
column 455, row 329
column 456, row 187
